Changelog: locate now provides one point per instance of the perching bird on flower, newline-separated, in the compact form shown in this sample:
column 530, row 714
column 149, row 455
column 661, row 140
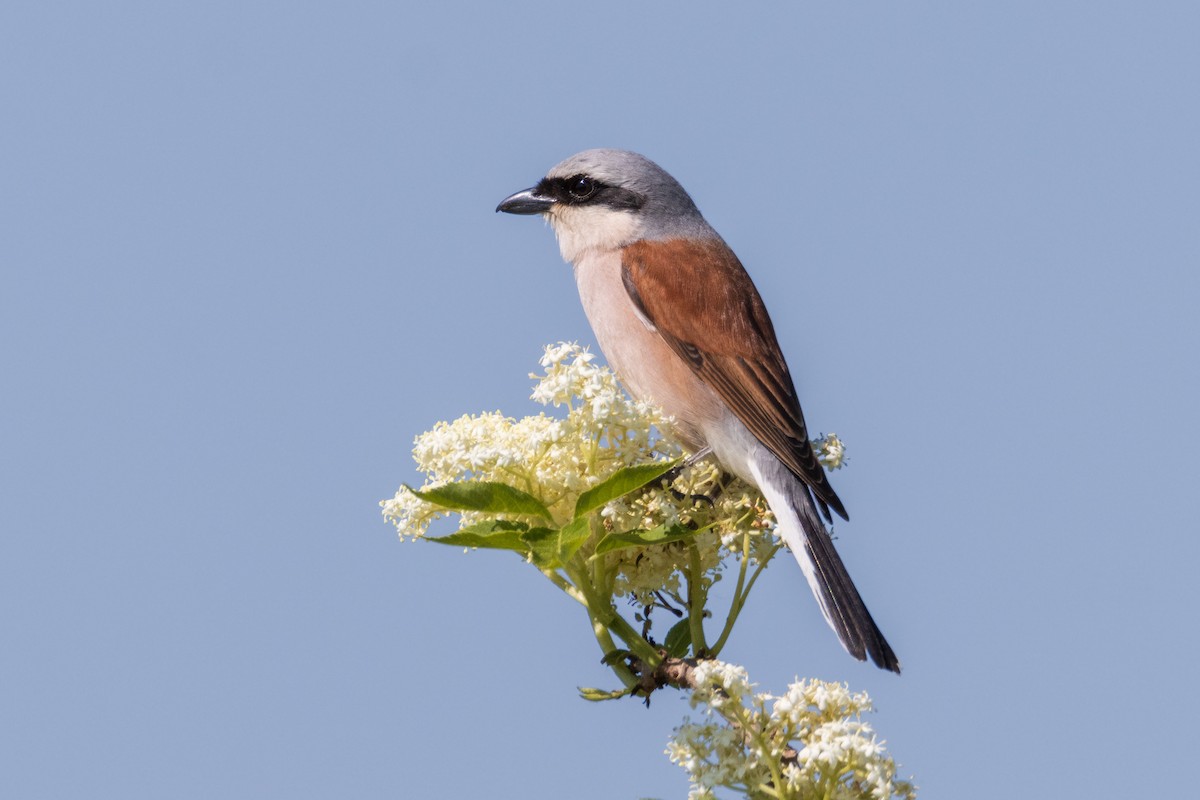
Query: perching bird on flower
column 684, row 328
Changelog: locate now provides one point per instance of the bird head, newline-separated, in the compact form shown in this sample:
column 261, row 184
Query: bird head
column 601, row 200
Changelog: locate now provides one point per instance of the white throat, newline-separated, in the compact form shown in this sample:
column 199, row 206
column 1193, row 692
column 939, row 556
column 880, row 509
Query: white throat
column 592, row 229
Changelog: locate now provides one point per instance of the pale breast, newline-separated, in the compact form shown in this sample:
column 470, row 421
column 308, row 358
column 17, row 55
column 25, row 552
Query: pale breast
column 648, row 369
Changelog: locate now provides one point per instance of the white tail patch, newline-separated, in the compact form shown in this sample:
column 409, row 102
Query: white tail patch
column 792, row 533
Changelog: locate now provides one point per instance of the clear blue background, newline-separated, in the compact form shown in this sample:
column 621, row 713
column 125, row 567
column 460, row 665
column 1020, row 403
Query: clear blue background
column 248, row 251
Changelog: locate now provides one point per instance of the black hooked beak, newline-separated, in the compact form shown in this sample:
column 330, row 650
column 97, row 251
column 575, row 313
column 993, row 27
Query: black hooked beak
column 526, row 201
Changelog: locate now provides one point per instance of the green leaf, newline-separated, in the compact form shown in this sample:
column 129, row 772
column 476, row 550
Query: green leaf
column 572, row 537
column 663, row 534
column 598, row 695
column 679, row 639
column 616, row 657
column 542, row 545
column 621, row 482
column 494, row 498
column 496, row 534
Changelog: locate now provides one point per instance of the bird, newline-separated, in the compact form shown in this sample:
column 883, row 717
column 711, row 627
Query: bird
column 684, row 328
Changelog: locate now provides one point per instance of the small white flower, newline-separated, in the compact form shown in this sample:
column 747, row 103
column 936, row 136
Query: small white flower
column 830, row 451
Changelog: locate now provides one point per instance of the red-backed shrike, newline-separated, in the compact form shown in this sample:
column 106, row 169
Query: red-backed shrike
column 681, row 323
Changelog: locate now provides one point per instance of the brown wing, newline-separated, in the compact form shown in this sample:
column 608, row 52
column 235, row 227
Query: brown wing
column 704, row 305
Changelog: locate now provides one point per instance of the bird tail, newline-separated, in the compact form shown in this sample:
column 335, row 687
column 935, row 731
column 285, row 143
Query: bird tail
column 801, row 528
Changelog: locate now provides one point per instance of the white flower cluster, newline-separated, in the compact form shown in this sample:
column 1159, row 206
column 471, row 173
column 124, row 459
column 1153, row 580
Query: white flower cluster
column 556, row 459
column 830, row 451
column 553, row 459
column 721, row 507
column 810, row 742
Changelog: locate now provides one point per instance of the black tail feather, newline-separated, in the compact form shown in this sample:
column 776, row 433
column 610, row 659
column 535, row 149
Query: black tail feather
column 847, row 611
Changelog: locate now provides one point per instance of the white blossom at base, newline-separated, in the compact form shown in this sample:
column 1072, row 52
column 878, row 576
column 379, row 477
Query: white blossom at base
column 742, row 741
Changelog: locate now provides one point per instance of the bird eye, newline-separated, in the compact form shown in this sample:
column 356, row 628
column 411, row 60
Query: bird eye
column 581, row 187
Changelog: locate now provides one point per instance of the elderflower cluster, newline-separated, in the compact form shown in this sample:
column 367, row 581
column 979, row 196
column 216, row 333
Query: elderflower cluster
column 809, row 742
column 721, row 507
column 555, row 459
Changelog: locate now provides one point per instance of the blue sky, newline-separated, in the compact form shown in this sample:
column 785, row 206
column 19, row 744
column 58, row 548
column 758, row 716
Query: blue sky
column 248, row 251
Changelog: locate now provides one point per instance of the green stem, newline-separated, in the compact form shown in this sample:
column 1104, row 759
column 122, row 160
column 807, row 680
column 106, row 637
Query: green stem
column 739, row 600
column 741, row 719
column 696, row 602
column 602, row 612
column 734, row 607
column 583, row 593
column 634, row 640
column 602, row 576
column 609, row 646
column 603, row 638
column 758, row 571
column 565, row 585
